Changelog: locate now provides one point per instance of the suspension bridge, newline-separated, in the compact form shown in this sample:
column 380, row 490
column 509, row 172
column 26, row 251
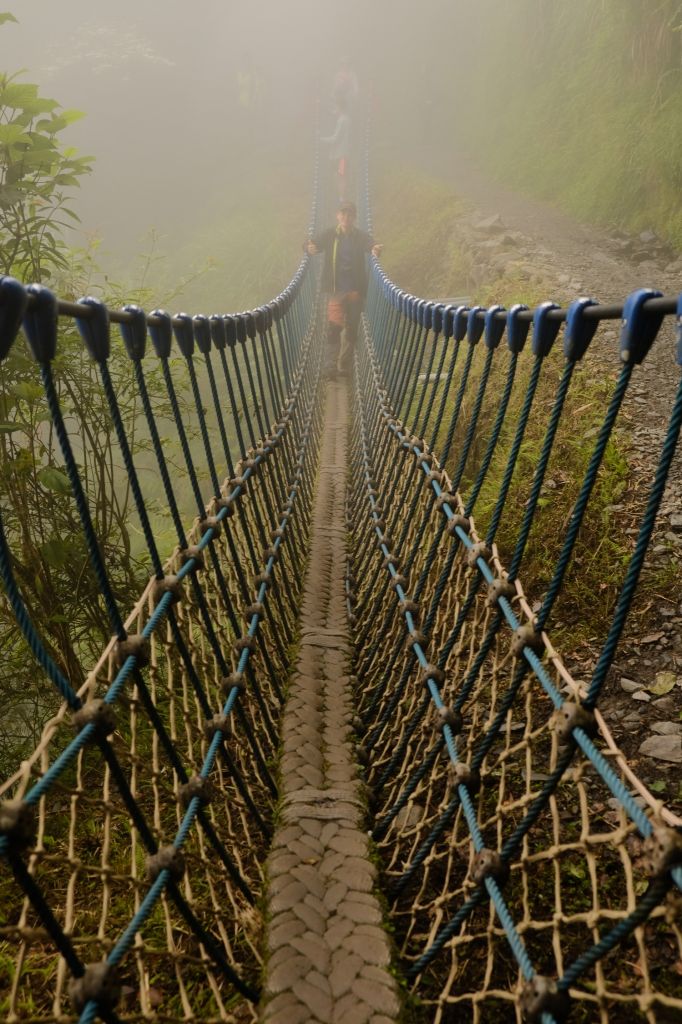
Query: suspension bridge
column 331, row 765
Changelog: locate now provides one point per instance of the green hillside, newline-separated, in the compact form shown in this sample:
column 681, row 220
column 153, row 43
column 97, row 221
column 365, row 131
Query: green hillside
column 578, row 103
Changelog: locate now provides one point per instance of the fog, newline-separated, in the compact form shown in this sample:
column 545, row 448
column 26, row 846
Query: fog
column 159, row 83
column 177, row 149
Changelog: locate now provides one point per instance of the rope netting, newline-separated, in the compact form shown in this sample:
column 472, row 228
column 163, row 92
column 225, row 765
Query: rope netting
column 530, row 873
column 134, row 835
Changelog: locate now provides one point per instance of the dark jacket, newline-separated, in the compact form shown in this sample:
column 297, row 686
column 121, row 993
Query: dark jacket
column 362, row 243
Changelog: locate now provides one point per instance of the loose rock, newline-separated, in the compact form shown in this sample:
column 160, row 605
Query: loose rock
column 663, row 748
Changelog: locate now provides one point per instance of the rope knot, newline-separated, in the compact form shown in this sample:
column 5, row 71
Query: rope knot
column 97, row 713
column 99, row 984
column 17, row 823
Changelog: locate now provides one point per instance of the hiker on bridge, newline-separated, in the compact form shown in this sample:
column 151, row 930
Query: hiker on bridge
column 344, row 278
column 339, row 143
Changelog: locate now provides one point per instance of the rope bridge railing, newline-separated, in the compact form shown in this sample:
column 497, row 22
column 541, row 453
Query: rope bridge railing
column 531, row 874
column 135, row 833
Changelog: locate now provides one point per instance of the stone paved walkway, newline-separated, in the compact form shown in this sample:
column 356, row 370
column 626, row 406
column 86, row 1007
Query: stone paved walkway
column 328, row 953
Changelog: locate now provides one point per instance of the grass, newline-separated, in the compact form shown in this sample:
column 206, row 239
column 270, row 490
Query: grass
column 591, row 122
column 428, row 220
column 422, row 252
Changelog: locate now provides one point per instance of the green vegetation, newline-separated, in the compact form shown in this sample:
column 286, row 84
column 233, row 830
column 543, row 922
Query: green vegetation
column 579, row 103
column 428, row 225
column 422, row 251
column 37, row 175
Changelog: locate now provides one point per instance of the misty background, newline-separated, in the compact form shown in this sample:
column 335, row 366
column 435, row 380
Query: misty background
column 576, row 103
column 174, row 150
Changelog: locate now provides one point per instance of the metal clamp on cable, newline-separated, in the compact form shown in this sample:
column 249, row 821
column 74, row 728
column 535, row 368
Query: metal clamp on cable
column 447, row 716
column 40, row 323
column 572, row 716
column 97, row 713
column 168, row 585
column 263, row 577
column 195, row 554
column 218, row 333
column 237, row 481
column 527, row 636
column 579, row 331
column 17, row 823
column 168, row 858
column 161, row 333
column 499, row 588
column 134, row 646
column 517, row 330
column 218, row 723
column 661, row 851
column 436, row 476
column 476, row 551
column 184, row 335
column 459, row 323
column 437, row 317
column 639, row 327
column 543, row 995
column 399, row 581
column 271, row 552
column 13, row 303
column 545, row 329
column 196, row 787
column 99, row 984
column 202, row 332
column 94, row 329
column 493, row 326
column 134, row 333
column 489, row 864
column 475, row 324
column 461, row 774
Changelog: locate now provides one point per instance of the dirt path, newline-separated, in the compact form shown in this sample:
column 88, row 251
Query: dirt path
column 508, row 231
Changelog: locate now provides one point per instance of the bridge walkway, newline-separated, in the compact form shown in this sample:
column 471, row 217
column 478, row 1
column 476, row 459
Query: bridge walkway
column 327, row 950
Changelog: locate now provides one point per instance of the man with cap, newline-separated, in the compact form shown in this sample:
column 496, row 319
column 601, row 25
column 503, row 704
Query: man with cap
column 344, row 278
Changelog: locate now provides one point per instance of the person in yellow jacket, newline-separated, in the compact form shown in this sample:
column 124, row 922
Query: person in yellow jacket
column 344, row 277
